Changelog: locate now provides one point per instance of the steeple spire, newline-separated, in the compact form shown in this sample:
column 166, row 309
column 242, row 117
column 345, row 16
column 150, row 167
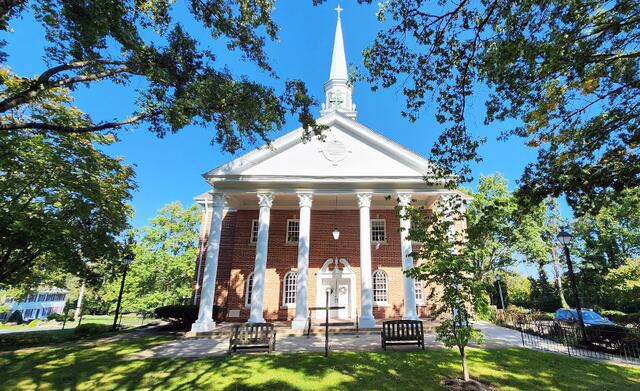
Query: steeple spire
column 337, row 90
column 338, row 60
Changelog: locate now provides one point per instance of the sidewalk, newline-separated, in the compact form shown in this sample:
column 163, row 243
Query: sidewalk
column 217, row 346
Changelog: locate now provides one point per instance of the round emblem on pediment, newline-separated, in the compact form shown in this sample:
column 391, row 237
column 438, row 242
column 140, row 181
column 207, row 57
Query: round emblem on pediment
column 335, row 151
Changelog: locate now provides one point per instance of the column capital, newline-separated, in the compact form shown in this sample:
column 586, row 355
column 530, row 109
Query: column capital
column 265, row 199
column 217, row 199
column 305, row 199
column 404, row 198
column 364, row 199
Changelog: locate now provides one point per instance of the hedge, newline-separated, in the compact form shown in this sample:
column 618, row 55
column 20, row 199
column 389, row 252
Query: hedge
column 183, row 315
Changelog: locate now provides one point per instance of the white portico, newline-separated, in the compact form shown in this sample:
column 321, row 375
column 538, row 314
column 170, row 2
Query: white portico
column 352, row 181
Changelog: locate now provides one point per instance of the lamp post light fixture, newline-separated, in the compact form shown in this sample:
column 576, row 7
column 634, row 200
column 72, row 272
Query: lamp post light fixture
column 336, row 233
column 565, row 237
column 500, row 290
column 127, row 260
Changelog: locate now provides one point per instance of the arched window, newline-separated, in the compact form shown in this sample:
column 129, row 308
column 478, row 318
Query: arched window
column 289, row 289
column 248, row 289
column 379, row 286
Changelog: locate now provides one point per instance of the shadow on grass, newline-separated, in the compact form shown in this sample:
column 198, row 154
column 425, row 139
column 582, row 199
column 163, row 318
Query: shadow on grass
column 109, row 366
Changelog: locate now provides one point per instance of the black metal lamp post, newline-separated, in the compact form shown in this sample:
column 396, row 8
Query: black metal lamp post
column 500, row 290
column 127, row 261
column 565, row 237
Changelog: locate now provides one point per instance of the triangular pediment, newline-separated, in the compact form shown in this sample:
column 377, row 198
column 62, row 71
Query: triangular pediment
column 349, row 150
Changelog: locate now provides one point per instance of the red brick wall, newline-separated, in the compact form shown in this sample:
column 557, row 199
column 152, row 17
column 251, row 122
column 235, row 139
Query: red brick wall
column 237, row 258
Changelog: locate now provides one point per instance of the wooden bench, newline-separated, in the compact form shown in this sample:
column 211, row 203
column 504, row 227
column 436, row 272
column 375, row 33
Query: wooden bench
column 402, row 332
column 252, row 336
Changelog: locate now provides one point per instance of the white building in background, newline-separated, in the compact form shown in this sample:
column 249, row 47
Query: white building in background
column 39, row 304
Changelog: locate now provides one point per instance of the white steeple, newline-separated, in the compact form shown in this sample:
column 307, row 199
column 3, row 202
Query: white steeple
column 338, row 92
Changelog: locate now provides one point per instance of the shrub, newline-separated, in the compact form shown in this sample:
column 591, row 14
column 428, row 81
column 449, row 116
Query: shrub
column 15, row 317
column 34, row 323
column 91, row 329
column 55, row 316
column 179, row 315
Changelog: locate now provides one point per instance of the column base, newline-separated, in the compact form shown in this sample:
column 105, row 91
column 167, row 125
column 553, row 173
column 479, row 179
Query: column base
column 203, row 326
column 410, row 317
column 299, row 324
column 366, row 323
column 255, row 320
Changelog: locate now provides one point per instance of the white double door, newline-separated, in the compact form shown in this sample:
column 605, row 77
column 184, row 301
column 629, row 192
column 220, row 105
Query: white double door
column 339, row 296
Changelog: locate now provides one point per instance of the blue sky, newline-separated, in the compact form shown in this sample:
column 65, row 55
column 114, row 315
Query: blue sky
column 170, row 169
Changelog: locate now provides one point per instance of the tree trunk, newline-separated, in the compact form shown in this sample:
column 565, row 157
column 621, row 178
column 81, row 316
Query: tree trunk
column 465, row 368
column 558, row 277
column 79, row 304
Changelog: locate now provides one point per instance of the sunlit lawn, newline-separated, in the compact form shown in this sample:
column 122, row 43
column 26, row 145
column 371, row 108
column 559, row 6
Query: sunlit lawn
column 99, row 366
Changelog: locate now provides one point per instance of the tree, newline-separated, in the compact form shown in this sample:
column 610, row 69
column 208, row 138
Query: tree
column 567, row 72
column 623, row 286
column 605, row 241
column 63, row 204
column 448, row 268
column 162, row 272
column 179, row 80
column 490, row 228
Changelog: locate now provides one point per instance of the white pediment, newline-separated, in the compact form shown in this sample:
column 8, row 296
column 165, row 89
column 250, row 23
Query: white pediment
column 349, row 150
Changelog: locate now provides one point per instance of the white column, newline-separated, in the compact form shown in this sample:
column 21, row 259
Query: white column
column 265, row 200
column 205, row 321
column 366, row 290
column 407, row 261
column 302, row 284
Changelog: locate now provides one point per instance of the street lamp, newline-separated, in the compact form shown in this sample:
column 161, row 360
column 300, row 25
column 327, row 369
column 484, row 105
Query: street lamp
column 564, row 237
column 336, row 233
column 500, row 290
column 126, row 261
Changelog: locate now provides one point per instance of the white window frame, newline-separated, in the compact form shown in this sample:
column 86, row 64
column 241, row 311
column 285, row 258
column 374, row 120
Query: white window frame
column 254, row 230
column 294, row 275
column 419, row 286
column 248, row 290
column 384, row 230
column 386, row 287
column 287, row 241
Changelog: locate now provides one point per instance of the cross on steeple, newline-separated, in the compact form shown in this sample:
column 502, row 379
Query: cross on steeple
column 338, row 9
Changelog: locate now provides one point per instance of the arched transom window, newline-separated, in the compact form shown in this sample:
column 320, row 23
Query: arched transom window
column 379, row 286
column 248, row 289
column 289, row 289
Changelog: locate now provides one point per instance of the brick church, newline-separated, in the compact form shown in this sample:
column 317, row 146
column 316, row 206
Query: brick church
column 282, row 226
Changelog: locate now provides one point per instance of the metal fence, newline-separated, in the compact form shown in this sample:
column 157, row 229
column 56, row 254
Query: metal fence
column 544, row 334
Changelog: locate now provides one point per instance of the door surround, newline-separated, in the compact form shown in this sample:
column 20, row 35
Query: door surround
column 328, row 271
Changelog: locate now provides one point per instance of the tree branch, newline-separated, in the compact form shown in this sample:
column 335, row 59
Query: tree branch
column 43, row 81
column 77, row 129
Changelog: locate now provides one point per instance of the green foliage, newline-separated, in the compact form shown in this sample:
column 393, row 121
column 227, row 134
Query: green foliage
column 34, row 323
column 179, row 79
column 91, row 329
column 64, row 203
column 483, row 310
column 622, row 285
column 181, row 315
column 518, row 290
column 55, row 316
column 543, row 295
column 491, row 227
column 15, row 317
column 608, row 242
column 448, row 268
column 567, row 72
column 163, row 270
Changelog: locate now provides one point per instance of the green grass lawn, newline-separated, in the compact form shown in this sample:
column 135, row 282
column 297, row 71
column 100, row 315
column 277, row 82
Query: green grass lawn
column 127, row 319
column 102, row 365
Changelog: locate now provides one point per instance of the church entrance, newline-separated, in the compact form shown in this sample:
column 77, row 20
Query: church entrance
column 338, row 279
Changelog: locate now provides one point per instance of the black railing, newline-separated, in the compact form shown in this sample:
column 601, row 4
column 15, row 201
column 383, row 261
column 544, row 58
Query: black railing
column 603, row 342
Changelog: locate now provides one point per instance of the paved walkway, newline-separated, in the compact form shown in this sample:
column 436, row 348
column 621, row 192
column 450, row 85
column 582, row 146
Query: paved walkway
column 495, row 337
